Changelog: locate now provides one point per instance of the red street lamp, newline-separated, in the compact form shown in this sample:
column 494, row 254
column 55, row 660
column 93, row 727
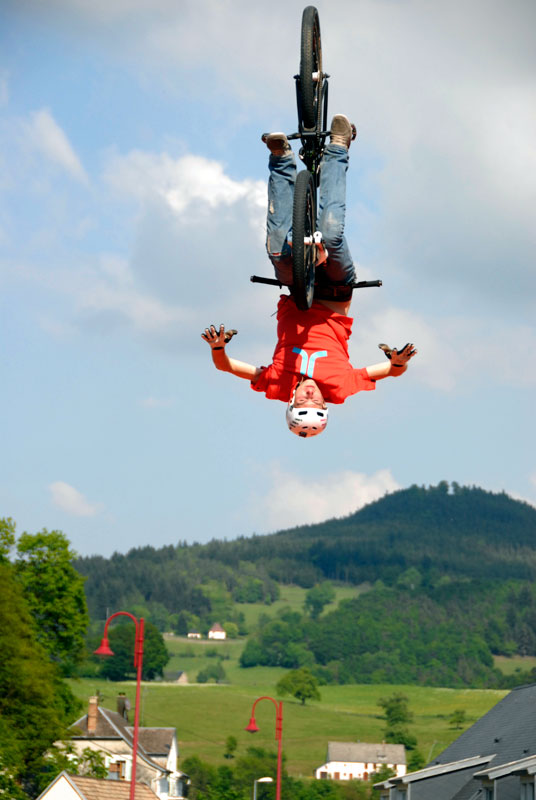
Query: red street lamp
column 105, row 650
column 252, row 728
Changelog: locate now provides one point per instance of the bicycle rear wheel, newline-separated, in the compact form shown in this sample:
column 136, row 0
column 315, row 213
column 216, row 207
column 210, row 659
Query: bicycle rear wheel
column 311, row 69
column 303, row 248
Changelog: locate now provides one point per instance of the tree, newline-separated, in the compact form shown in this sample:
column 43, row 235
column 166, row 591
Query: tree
column 256, row 762
column 300, row 683
column 35, row 705
column 415, row 761
column 7, row 537
column 213, row 672
column 458, row 718
column 231, row 743
column 121, row 665
column 55, row 594
column 398, row 716
column 231, row 629
column 396, row 709
column 318, row 597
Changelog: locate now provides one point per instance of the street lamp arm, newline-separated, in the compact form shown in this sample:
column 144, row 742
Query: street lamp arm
column 252, row 728
column 104, row 650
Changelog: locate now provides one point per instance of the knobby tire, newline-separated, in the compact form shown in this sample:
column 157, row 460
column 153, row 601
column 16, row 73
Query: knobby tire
column 311, row 62
column 303, row 225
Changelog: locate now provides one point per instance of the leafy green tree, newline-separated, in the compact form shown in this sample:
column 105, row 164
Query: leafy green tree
column 416, row 761
column 90, row 763
column 35, row 705
column 410, row 579
column 231, row 743
column 301, row 684
column 213, row 672
column 255, row 763
column 398, row 716
column 202, row 777
column 396, row 709
column 55, row 594
column 458, row 718
column 7, row 537
column 401, row 735
column 231, row 629
column 318, row 597
column 120, row 666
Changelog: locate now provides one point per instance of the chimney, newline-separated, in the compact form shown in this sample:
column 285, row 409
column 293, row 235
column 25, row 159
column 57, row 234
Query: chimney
column 92, row 713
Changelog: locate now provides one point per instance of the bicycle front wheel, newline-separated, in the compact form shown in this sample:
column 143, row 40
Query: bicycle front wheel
column 311, row 69
column 303, row 247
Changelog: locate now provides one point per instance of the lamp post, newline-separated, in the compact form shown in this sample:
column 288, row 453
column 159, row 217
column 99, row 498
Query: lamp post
column 252, row 728
column 260, row 780
column 104, row 650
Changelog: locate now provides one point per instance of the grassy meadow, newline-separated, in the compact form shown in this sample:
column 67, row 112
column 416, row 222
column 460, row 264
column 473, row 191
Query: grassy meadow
column 206, row 714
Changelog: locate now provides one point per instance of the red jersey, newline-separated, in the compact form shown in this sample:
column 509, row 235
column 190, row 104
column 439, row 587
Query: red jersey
column 312, row 343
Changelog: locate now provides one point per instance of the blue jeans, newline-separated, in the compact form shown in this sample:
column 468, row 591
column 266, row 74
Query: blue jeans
column 339, row 269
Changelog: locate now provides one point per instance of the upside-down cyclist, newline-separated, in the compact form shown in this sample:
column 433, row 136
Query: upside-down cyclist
column 310, row 365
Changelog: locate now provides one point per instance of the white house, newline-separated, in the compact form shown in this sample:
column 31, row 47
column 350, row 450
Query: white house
column 109, row 733
column 77, row 787
column 216, row 632
column 346, row 761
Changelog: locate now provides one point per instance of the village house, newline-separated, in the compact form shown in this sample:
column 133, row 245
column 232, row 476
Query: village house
column 217, row 632
column 494, row 759
column 77, row 787
column 346, row 761
column 110, row 733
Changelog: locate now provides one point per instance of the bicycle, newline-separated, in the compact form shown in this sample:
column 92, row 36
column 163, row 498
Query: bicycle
column 308, row 251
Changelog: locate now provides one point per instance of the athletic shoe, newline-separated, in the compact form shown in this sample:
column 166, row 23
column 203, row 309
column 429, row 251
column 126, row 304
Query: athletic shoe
column 277, row 144
column 342, row 131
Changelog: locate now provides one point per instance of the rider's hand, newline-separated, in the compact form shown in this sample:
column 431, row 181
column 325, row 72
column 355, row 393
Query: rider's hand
column 217, row 339
column 399, row 358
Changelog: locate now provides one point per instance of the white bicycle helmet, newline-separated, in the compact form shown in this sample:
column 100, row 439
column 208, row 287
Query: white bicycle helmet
column 306, row 421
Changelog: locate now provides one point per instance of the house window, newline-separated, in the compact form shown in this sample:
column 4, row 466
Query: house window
column 488, row 794
column 336, row 775
column 527, row 791
column 116, row 771
column 323, row 775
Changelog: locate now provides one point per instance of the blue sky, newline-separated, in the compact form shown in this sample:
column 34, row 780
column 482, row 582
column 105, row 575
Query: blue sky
column 132, row 202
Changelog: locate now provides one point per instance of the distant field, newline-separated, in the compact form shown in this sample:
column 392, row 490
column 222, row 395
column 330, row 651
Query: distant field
column 190, row 655
column 509, row 666
column 206, row 715
column 294, row 598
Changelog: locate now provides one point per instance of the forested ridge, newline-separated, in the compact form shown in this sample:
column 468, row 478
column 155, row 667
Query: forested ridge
column 450, row 571
column 454, row 531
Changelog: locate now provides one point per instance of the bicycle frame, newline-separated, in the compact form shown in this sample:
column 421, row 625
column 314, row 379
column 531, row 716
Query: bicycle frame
column 311, row 153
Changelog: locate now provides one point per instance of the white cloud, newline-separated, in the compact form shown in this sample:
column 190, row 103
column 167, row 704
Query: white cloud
column 183, row 183
column 453, row 352
column 294, row 500
column 45, row 135
column 72, row 501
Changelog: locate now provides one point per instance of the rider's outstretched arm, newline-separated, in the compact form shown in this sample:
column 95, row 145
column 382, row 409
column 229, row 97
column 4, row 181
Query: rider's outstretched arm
column 220, row 359
column 397, row 364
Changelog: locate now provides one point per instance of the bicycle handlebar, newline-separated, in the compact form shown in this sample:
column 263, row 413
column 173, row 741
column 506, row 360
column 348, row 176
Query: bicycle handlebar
column 275, row 282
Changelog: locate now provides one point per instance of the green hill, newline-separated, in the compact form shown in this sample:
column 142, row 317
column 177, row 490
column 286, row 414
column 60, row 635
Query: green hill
column 449, row 572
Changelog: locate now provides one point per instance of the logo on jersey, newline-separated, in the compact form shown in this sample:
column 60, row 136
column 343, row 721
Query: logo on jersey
column 308, row 362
